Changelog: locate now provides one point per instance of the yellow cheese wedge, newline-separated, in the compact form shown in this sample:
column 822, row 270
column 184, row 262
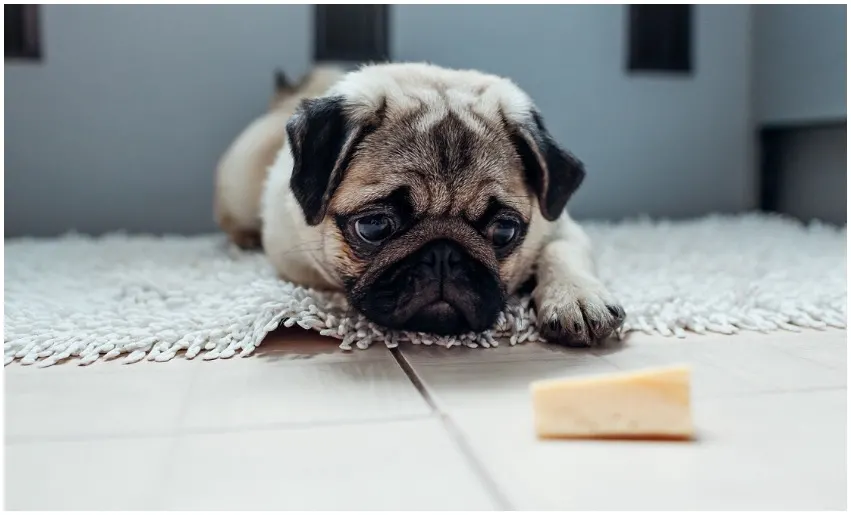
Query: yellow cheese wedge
column 648, row 404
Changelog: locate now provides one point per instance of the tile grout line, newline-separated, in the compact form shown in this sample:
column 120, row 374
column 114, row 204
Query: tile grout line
column 454, row 433
column 191, row 432
column 211, row 431
column 783, row 349
column 167, row 472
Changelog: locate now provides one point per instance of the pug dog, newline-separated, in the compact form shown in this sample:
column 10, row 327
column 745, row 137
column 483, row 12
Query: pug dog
column 429, row 196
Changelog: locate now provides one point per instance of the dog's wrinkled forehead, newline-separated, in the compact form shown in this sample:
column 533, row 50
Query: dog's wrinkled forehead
column 431, row 129
column 405, row 88
column 439, row 133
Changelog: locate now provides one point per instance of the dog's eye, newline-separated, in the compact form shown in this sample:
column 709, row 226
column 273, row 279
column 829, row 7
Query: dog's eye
column 374, row 228
column 503, row 231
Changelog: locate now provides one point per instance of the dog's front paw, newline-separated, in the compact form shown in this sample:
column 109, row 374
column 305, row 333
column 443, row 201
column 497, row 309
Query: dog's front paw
column 577, row 316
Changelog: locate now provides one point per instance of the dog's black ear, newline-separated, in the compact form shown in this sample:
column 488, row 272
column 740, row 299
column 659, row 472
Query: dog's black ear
column 321, row 142
column 555, row 174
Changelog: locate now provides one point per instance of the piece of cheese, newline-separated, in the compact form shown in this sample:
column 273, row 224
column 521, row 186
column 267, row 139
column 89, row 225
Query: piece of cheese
column 648, row 404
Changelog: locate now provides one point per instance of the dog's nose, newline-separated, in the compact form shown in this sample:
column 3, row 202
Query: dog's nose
column 442, row 258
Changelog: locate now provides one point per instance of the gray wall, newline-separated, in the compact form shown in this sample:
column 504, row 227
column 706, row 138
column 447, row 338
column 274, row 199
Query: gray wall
column 799, row 63
column 121, row 126
column 659, row 145
column 800, row 78
column 122, row 123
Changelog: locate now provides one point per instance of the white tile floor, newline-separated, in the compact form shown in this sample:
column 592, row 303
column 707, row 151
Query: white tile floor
column 302, row 425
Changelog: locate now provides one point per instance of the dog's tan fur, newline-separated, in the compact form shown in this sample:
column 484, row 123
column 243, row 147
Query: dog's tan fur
column 412, row 126
column 402, row 154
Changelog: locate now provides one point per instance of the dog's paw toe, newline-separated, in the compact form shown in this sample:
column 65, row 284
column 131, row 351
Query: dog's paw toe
column 578, row 320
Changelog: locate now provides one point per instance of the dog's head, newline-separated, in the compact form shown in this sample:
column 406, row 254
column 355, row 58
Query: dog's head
column 432, row 189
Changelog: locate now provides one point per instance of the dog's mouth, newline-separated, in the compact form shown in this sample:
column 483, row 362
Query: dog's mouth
column 439, row 317
column 452, row 314
column 439, row 308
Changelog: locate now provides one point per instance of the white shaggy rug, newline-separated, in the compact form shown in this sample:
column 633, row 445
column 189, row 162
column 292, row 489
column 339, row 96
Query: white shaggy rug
column 149, row 297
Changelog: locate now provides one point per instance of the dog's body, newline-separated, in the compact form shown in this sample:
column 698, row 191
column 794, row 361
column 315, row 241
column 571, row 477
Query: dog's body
column 428, row 195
